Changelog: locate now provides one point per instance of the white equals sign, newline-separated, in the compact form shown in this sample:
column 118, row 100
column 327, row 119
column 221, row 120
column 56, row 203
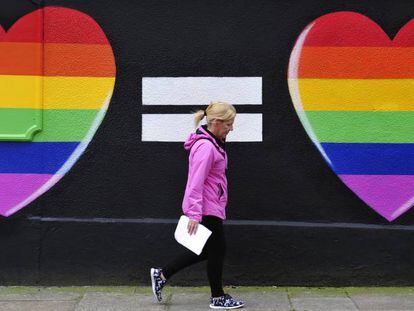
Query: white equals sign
column 199, row 91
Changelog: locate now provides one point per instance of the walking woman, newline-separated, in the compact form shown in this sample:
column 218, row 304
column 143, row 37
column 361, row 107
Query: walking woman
column 205, row 201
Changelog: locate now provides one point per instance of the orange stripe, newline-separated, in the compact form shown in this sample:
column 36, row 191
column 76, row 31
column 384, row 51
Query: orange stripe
column 83, row 60
column 356, row 62
column 92, row 60
column 20, row 58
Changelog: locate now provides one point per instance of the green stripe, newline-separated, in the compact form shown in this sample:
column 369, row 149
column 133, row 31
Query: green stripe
column 362, row 126
column 58, row 125
column 19, row 124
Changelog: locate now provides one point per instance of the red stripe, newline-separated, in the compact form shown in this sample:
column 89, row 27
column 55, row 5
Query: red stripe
column 354, row 29
column 61, row 25
column 27, row 29
column 405, row 37
column 64, row 25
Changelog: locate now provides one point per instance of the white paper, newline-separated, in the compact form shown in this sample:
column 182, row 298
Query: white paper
column 194, row 242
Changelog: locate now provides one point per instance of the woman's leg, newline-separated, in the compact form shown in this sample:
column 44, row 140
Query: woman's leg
column 183, row 260
column 216, row 249
column 186, row 258
column 213, row 251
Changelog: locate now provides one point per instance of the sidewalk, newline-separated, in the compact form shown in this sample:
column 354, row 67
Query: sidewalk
column 196, row 298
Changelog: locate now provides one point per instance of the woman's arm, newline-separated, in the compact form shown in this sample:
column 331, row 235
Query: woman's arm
column 200, row 163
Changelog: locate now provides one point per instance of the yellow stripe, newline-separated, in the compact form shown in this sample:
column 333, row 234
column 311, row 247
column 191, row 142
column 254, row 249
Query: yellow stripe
column 356, row 94
column 21, row 92
column 59, row 92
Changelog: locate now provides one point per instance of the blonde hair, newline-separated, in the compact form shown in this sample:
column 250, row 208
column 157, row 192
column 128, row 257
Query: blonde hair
column 215, row 111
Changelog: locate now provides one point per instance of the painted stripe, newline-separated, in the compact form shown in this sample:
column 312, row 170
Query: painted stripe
column 389, row 195
column 362, row 126
column 64, row 25
column 370, row 159
column 177, row 127
column 58, row 125
column 59, row 92
column 201, row 90
column 56, row 25
column 20, row 124
column 356, row 94
column 354, row 29
column 28, row 28
column 356, row 63
column 15, row 188
column 240, row 222
column 21, row 58
column 18, row 91
column 59, row 59
column 34, row 158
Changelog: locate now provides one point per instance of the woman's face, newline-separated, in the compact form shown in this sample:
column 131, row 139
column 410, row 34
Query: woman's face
column 223, row 128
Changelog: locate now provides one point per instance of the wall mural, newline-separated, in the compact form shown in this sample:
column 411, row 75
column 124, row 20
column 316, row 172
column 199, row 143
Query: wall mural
column 57, row 73
column 351, row 86
column 353, row 90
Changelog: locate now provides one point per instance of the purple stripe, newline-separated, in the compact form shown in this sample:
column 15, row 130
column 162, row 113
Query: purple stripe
column 389, row 195
column 15, row 188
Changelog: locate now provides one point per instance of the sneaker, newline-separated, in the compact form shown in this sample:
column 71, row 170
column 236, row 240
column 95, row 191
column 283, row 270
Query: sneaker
column 225, row 302
column 157, row 283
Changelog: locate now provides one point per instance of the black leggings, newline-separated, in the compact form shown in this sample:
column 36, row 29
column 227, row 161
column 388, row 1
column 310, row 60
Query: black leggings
column 213, row 251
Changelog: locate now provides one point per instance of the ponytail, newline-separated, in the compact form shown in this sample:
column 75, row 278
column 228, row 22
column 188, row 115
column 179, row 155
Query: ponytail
column 198, row 116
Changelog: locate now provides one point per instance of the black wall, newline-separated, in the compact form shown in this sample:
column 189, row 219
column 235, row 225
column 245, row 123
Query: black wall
column 283, row 179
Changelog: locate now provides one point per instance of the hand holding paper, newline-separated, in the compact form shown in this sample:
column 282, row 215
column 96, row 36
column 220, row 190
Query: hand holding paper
column 192, row 226
column 194, row 242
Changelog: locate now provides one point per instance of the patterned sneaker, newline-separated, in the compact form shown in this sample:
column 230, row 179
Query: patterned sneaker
column 225, row 302
column 157, row 283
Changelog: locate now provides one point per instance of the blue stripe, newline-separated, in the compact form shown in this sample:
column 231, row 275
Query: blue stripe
column 371, row 159
column 34, row 157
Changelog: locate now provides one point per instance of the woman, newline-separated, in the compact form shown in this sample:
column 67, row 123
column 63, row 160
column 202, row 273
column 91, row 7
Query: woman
column 205, row 201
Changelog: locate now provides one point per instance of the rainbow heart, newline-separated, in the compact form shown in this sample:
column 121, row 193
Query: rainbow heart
column 353, row 90
column 57, row 74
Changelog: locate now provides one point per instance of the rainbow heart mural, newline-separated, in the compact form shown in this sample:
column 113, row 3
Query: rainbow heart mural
column 57, row 73
column 353, row 90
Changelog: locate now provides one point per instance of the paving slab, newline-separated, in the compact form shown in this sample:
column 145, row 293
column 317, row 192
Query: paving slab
column 37, row 305
column 119, row 302
column 319, row 302
column 42, row 295
column 189, row 302
column 377, row 302
column 260, row 301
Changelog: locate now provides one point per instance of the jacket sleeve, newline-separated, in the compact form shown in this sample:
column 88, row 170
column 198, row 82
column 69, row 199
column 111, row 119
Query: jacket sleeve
column 201, row 160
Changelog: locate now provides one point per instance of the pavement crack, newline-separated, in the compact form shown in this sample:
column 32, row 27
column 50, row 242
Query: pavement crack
column 78, row 300
column 353, row 302
column 289, row 299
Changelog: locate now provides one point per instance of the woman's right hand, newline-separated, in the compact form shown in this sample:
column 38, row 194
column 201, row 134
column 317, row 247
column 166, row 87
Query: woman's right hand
column 192, row 226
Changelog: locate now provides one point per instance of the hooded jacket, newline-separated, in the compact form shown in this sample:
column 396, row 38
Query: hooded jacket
column 206, row 189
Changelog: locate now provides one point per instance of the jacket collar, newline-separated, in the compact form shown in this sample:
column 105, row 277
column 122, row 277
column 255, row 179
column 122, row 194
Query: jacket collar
column 218, row 142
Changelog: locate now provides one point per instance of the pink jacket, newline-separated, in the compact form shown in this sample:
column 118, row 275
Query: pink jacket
column 206, row 190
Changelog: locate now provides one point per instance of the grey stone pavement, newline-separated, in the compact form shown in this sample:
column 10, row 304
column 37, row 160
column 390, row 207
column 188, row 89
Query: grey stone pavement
column 196, row 298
